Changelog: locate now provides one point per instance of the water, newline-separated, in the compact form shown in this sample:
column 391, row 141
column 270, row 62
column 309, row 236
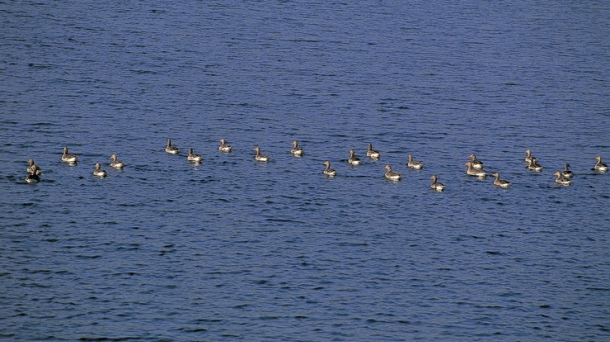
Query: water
column 237, row 250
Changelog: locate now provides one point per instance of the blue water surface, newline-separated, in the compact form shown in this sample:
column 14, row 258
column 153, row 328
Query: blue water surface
column 232, row 249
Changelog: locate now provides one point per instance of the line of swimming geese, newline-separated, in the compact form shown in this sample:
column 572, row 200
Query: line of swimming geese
column 474, row 166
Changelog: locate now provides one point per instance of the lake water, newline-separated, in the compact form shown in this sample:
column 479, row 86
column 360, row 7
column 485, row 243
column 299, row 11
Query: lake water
column 232, row 249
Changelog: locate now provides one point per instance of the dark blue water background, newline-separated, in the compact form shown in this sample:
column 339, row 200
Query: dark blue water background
column 237, row 250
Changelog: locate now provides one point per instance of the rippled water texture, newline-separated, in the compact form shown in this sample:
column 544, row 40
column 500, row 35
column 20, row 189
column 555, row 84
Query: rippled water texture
column 232, row 249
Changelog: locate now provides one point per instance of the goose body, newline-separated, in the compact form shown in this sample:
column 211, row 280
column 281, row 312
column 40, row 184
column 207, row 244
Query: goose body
column 224, row 147
column 566, row 172
column 599, row 166
column 391, row 175
column 115, row 163
column 69, row 157
column 372, row 153
column 171, row 149
column 33, row 168
column 500, row 182
column 328, row 171
column 414, row 164
column 296, row 150
column 353, row 160
column 32, row 177
column 476, row 164
column 533, row 165
column 561, row 180
column 474, row 172
column 99, row 172
column 193, row 157
column 259, row 156
column 436, row 185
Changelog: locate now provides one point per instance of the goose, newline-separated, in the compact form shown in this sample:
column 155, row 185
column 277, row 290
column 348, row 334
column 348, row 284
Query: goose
column 474, row 172
column 500, row 182
column 328, row 171
column 224, row 147
column 372, row 153
column 33, row 168
column 353, row 159
column 599, row 166
column 561, row 180
column 171, row 149
column 193, row 157
column 260, row 157
column 393, row 176
column 117, row 164
column 533, row 165
column 528, row 156
column 68, row 157
column 436, row 185
column 296, row 150
column 98, row 171
column 414, row 164
column 476, row 164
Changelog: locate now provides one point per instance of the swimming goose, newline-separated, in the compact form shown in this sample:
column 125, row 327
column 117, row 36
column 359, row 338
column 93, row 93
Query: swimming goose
column 393, row 176
column 224, row 147
column 476, row 164
column 32, row 177
column 414, row 164
column 474, row 172
column 566, row 172
column 260, row 157
column 500, row 182
column 328, row 171
column 528, row 156
column 68, row 157
column 33, row 168
column 353, row 159
column 561, row 179
column 372, row 153
column 296, row 150
column 533, row 165
column 193, row 157
column 171, row 149
column 117, row 164
column 98, row 171
column 436, row 185
column 599, row 166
